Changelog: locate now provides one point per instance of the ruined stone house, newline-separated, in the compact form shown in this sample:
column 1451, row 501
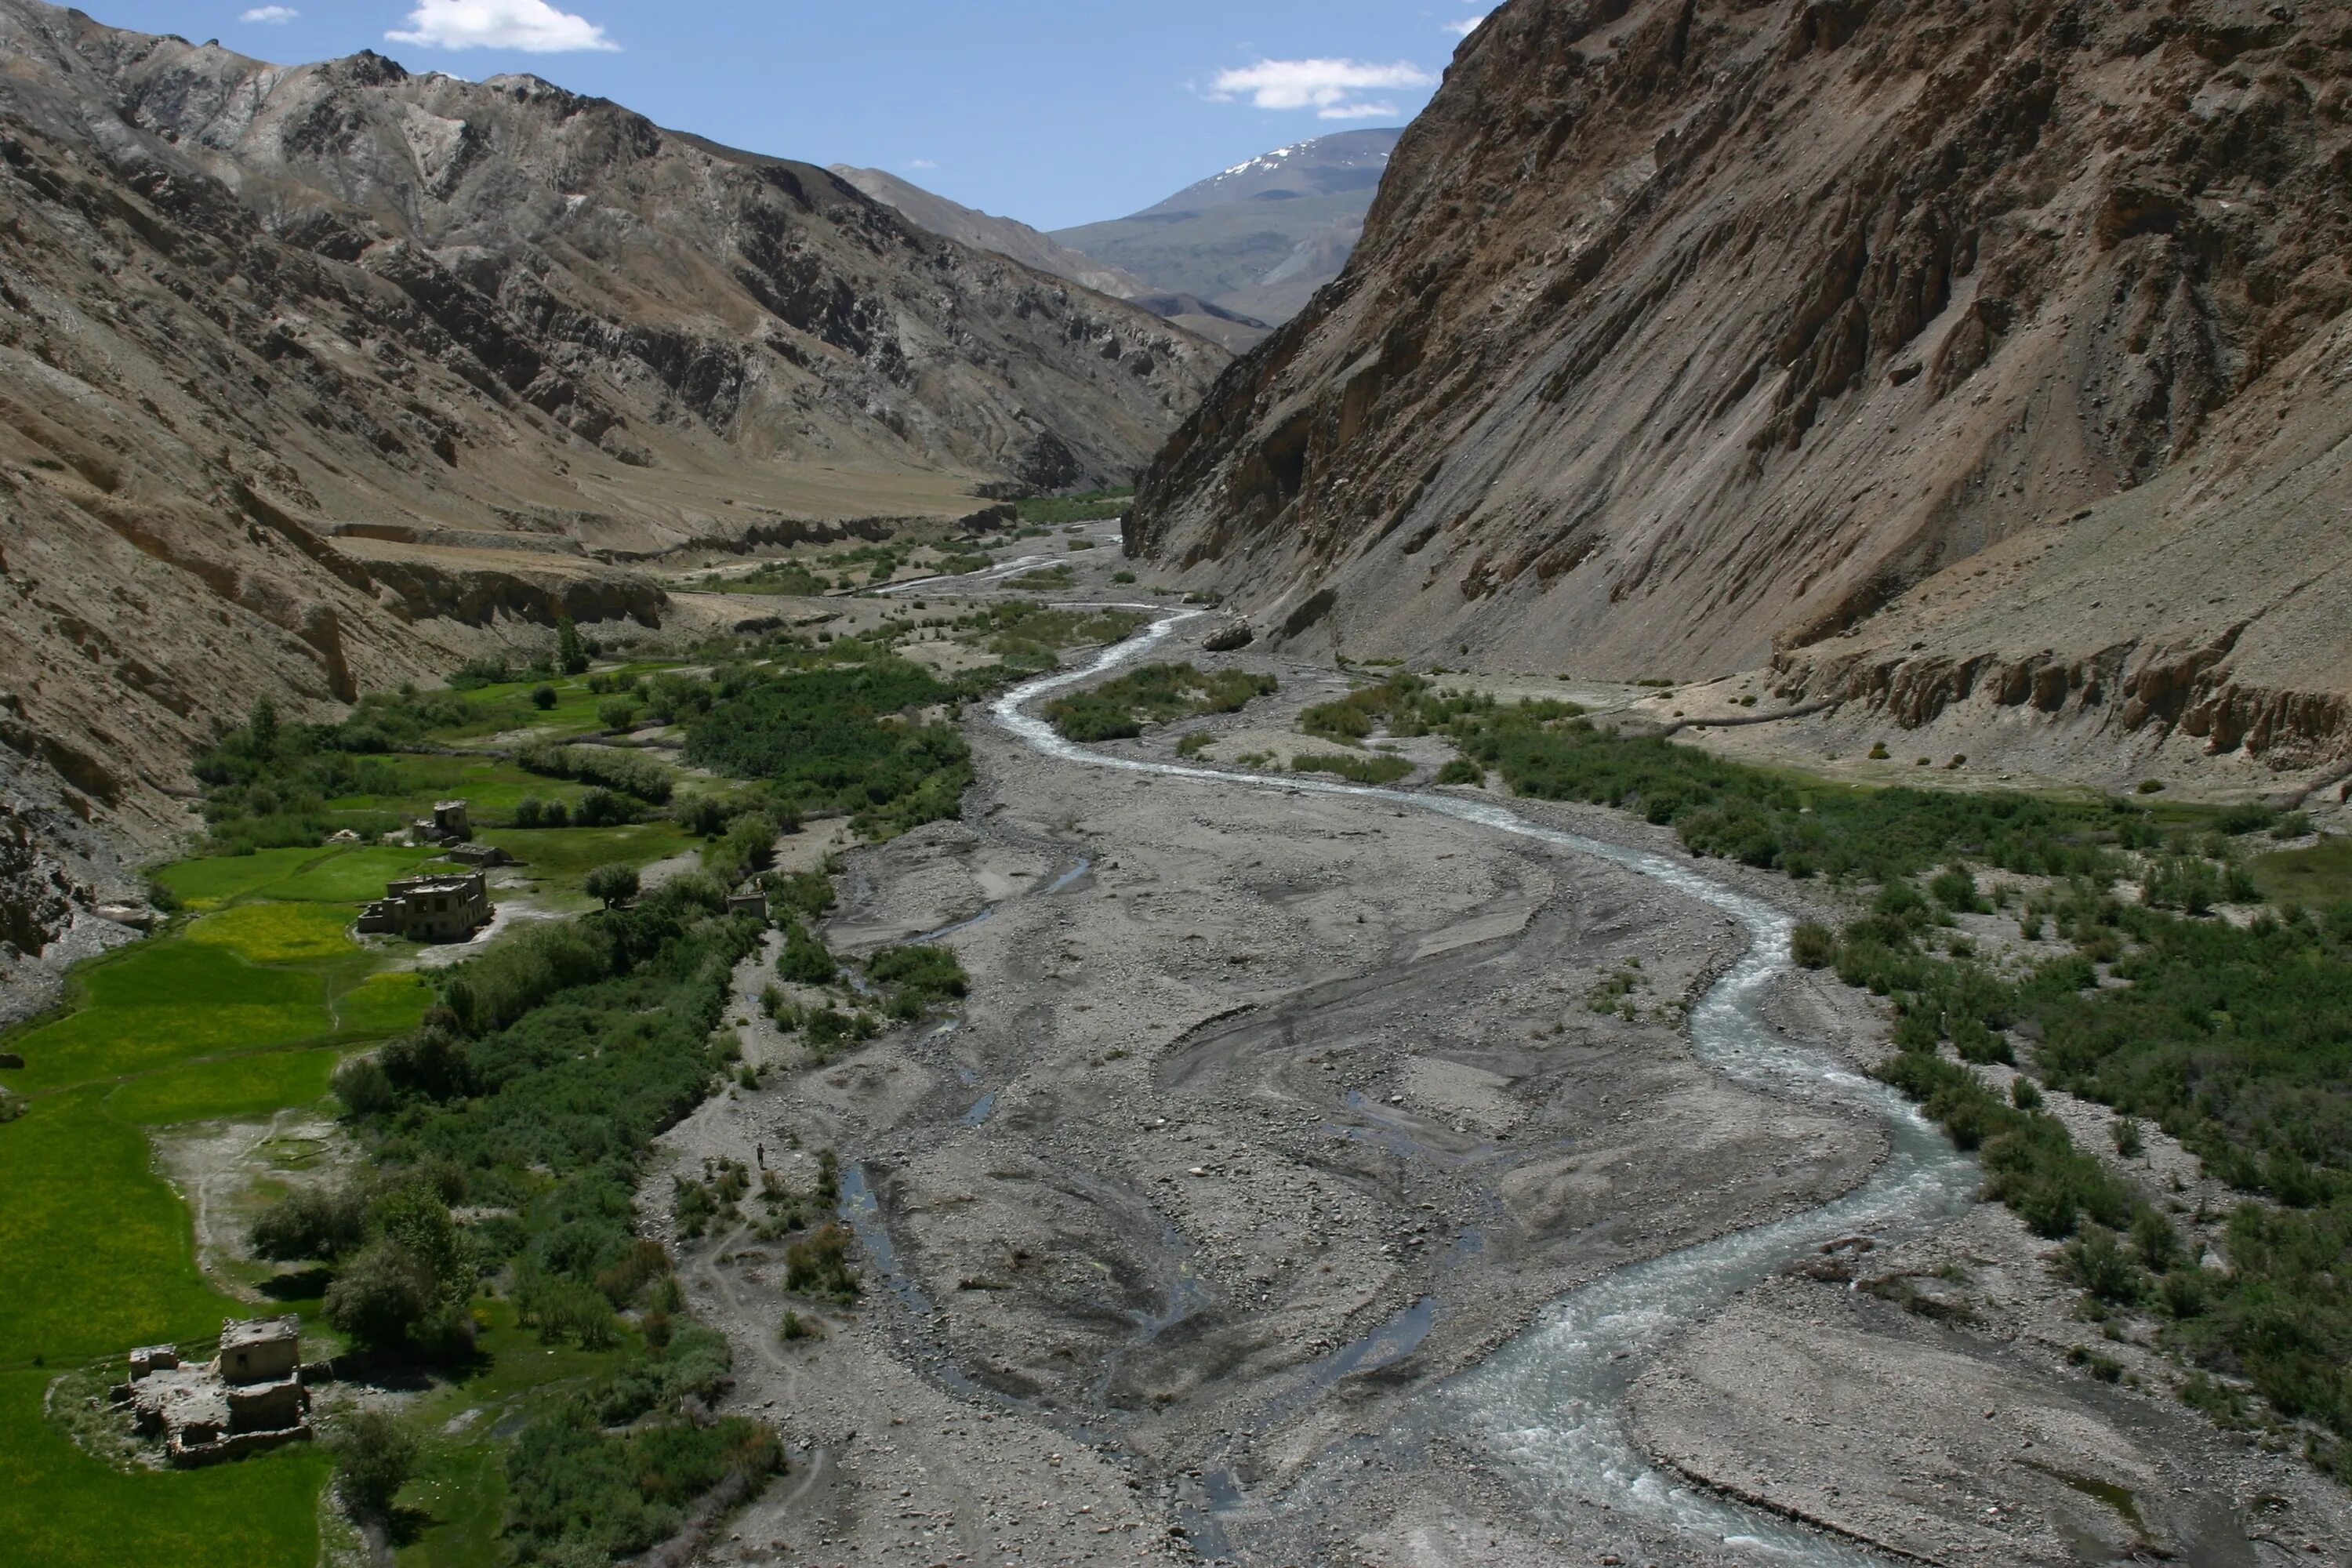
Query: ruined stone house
column 249, row 1397
column 451, row 823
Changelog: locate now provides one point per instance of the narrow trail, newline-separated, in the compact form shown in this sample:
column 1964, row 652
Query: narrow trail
column 1547, row 1407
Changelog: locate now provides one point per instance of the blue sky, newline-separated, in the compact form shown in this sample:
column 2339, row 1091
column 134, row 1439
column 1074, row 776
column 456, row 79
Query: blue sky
column 1053, row 111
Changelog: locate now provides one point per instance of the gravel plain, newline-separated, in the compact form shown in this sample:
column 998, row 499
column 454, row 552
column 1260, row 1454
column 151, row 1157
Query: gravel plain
column 1268, row 1112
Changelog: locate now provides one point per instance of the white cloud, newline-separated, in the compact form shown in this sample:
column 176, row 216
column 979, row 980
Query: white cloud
column 1468, row 25
column 534, row 27
column 270, row 15
column 1330, row 87
column 919, row 164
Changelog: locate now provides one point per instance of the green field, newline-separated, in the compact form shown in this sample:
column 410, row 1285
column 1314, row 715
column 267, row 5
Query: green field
column 2315, row 877
column 556, row 858
column 100, row 1255
column 159, row 1004
column 237, row 1013
column 334, row 876
column 490, row 785
column 59, row 1508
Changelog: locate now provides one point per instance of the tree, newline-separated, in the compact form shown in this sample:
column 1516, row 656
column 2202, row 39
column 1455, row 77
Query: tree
column 375, row 1455
column 261, row 727
column 311, row 1222
column 432, row 1062
column 571, row 654
column 364, row 1089
column 542, row 698
column 612, row 885
column 620, row 714
column 382, row 1293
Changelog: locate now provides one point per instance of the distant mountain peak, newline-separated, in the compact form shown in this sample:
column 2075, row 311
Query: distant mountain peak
column 1259, row 238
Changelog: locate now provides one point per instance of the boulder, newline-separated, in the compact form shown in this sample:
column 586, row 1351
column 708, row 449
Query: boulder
column 1228, row 635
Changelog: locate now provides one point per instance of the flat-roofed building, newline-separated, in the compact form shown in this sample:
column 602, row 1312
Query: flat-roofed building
column 448, row 908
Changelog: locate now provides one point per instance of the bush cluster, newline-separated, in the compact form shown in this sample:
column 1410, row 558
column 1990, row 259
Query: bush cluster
column 1152, row 694
column 843, row 733
column 629, row 773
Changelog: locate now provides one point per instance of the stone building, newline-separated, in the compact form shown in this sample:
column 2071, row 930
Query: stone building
column 448, row 908
column 451, row 823
column 261, row 1349
column 247, row 1398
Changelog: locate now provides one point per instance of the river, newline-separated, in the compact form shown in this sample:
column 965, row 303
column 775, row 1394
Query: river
column 1548, row 1406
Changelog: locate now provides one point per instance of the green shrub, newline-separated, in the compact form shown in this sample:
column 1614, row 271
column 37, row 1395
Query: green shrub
column 1377, row 769
column 382, row 1293
column 2097, row 1262
column 570, row 651
column 311, row 1223
column 1955, row 887
column 805, row 961
column 914, row 979
column 374, row 1454
column 829, row 1028
column 629, row 772
column 1812, row 945
column 1152, row 694
column 820, row 1264
column 1461, row 771
column 2184, row 1293
column 542, row 698
column 1977, row 1044
column 842, row 735
column 1095, row 506
column 578, row 1494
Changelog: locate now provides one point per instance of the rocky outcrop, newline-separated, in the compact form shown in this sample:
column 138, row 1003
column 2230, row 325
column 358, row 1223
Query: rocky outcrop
column 1687, row 334
column 2210, row 607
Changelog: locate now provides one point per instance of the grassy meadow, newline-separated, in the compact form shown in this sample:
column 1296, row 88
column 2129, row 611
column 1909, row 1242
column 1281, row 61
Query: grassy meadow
column 236, row 1013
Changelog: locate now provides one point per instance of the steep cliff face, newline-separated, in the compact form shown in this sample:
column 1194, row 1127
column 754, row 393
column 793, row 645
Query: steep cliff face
column 321, row 377
column 1689, row 334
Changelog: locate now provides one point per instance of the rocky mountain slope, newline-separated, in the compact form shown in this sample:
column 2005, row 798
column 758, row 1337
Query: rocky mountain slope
column 1009, row 237
column 1981, row 361
column 318, row 377
column 1259, row 238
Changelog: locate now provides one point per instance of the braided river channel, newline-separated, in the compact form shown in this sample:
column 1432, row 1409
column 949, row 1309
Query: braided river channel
column 1547, row 1407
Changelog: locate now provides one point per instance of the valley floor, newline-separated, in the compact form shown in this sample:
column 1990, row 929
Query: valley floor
column 1282, row 1110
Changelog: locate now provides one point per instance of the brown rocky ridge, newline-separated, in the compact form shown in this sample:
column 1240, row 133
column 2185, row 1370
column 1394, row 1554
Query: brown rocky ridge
column 985, row 231
column 1982, row 365
column 1009, row 237
column 323, row 377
